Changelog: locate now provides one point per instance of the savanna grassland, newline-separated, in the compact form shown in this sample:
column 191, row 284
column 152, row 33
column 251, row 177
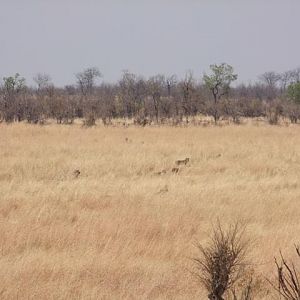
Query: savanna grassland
column 121, row 230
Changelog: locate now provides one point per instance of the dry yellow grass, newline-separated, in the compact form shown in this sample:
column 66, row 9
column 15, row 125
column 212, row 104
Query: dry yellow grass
column 119, row 231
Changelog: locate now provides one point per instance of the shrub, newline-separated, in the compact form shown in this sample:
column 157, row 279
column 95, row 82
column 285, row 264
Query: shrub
column 222, row 262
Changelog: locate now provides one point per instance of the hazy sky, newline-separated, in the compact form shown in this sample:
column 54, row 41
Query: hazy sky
column 62, row 37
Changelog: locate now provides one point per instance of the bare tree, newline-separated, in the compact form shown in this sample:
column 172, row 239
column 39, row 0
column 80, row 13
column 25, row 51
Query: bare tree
column 270, row 79
column 107, row 109
column 132, row 93
column 188, row 89
column 171, row 82
column 42, row 80
column 86, row 80
column 285, row 79
column 155, row 87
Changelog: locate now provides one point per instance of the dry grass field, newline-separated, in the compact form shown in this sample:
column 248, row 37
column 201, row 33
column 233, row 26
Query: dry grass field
column 120, row 230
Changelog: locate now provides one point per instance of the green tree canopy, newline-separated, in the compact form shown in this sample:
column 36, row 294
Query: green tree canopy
column 294, row 92
column 218, row 82
column 14, row 84
column 220, row 79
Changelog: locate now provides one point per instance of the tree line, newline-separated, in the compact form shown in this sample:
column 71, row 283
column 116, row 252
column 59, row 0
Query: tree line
column 158, row 99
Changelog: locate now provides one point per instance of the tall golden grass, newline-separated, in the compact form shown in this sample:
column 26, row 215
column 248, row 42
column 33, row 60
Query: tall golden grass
column 121, row 231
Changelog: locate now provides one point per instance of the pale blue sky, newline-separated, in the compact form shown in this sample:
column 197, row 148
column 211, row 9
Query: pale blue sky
column 61, row 37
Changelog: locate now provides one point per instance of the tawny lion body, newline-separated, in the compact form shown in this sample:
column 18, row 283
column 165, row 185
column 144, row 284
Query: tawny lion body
column 182, row 162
